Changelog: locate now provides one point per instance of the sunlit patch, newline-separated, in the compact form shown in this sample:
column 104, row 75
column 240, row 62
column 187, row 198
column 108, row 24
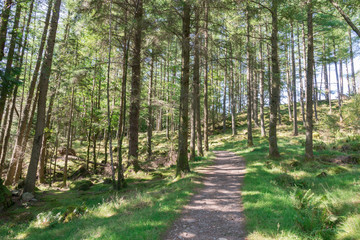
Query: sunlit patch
column 187, row 235
column 22, row 236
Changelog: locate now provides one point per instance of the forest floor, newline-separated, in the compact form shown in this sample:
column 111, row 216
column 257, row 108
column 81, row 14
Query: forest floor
column 285, row 198
column 215, row 212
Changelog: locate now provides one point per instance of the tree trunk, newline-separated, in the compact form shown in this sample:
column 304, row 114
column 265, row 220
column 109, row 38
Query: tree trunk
column 121, row 125
column 4, row 25
column 8, row 128
column 302, row 92
column 42, row 164
column 43, row 83
column 182, row 165
column 302, row 108
column 275, row 85
column 352, row 65
column 262, row 96
column 135, row 89
column 309, row 155
column 232, row 97
column 249, row 97
column 19, row 142
column 6, row 84
column 150, row 108
column 338, row 84
column 68, row 136
column 197, row 81
column 109, row 114
column 206, row 58
column 295, row 127
column 329, row 89
column 347, row 19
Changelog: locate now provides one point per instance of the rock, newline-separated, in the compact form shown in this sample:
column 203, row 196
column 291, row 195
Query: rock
column 33, row 200
column 222, row 239
column 20, row 184
column 107, row 181
column 62, row 151
column 15, row 193
column 81, row 173
column 5, row 197
column 26, row 197
column 321, row 175
column 82, row 185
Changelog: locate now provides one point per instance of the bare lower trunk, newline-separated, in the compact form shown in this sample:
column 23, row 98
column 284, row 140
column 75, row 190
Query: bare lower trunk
column 309, row 155
column 135, row 89
column 182, row 165
column 275, row 85
column 249, row 97
column 206, row 108
column 295, row 127
column 262, row 97
column 352, row 65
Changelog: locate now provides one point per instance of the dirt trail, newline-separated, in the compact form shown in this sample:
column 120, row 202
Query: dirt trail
column 215, row 212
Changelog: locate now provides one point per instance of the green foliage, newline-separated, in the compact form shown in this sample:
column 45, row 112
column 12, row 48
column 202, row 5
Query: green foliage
column 285, row 180
column 351, row 113
column 313, row 215
column 5, row 196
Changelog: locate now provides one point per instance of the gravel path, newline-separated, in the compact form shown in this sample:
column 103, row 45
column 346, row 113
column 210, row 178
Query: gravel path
column 215, row 212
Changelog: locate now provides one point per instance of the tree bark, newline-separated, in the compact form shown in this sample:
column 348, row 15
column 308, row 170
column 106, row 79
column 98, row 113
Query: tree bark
column 7, row 84
column 352, row 65
column 309, row 155
column 150, row 108
column 20, row 136
column 197, row 81
column 275, row 85
column 68, row 136
column 135, row 88
column 295, row 126
column 4, row 25
column 249, row 97
column 43, row 83
column 121, row 183
column 206, row 58
column 262, row 96
column 182, row 165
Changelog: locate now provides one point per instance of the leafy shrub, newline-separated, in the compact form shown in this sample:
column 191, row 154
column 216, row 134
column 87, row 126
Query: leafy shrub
column 319, row 146
column 72, row 212
column 313, row 215
column 285, row 180
column 48, row 219
column 330, row 122
column 351, row 112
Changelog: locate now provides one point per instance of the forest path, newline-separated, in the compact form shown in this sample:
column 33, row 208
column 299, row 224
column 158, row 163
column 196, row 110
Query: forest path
column 215, row 212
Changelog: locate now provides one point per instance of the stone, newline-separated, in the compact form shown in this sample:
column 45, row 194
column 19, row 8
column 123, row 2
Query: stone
column 26, row 197
column 82, row 185
column 16, row 193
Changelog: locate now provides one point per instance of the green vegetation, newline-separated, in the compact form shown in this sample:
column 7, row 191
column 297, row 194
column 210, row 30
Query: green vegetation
column 289, row 198
column 143, row 210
